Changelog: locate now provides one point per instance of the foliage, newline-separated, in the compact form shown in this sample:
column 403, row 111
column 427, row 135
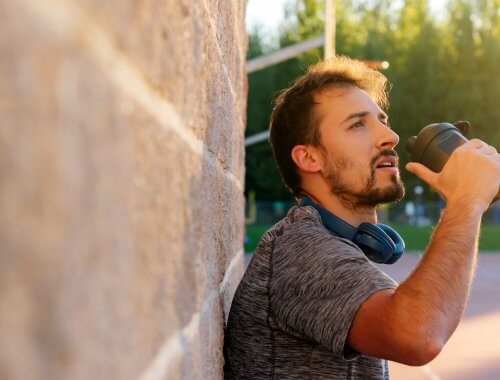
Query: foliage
column 442, row 69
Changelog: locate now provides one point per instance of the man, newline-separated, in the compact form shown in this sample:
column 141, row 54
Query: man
column 311, row 305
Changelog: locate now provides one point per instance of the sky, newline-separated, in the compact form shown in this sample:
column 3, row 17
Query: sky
column 269, row 13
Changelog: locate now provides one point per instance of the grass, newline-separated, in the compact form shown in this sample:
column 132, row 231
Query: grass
column 416, row 238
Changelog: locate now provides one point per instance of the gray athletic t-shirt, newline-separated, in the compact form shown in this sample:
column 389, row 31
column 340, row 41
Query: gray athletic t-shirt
column 292, row 310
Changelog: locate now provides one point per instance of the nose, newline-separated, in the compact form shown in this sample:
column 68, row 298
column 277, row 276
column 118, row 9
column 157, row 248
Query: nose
column 387, row 139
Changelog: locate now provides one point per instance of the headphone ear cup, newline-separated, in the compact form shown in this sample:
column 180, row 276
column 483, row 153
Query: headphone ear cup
column 394, row 257
column 375, row 243
column 398, row 241
column 379, row 257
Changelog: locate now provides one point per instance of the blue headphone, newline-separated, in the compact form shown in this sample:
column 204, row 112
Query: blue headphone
column 380, row 243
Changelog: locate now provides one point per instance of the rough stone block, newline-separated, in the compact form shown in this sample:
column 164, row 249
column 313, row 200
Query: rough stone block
column 121, row 154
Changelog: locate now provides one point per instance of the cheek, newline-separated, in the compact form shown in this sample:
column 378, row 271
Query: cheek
column 350, row 152
column 357, row 145
column 358, row 160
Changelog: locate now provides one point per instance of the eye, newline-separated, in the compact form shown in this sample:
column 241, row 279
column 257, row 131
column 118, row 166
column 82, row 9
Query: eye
column 358, row 124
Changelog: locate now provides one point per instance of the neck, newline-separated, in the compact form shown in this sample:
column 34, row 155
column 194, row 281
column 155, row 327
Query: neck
column 345, row 209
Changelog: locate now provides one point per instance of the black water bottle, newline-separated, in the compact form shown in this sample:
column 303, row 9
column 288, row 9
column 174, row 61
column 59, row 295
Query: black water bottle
column 434, row 144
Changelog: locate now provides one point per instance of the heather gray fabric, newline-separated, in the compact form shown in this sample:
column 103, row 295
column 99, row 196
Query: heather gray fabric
column 293, row 308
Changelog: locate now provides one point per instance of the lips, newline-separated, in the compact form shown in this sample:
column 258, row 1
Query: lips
column 386, row 162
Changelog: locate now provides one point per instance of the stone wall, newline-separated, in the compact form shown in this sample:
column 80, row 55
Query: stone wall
column 121, row 186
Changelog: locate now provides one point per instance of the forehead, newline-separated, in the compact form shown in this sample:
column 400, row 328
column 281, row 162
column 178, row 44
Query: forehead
column 335, row 104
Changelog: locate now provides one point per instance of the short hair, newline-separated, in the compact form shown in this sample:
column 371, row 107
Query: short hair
column 294, row 120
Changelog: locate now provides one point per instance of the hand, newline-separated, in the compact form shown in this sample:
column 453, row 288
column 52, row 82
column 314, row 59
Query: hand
column 471, row 174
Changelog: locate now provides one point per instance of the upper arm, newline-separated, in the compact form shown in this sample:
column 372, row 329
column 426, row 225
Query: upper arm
column 379, row 329
column 371, row 329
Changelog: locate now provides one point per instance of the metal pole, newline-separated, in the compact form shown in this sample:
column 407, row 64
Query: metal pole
column 330, row 29
column 281, row 55
column 258, row 137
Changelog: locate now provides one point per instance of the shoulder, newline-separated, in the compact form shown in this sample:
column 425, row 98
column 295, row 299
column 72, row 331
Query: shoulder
column 306, row 232
column 305, row 248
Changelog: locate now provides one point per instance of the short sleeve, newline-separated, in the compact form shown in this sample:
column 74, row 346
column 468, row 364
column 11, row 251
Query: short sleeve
column 318, row 283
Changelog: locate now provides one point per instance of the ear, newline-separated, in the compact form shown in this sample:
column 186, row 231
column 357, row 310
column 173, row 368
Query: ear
column 305, row 157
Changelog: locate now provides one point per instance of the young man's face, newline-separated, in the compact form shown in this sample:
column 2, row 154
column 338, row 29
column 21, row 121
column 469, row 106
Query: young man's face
column 359, row 163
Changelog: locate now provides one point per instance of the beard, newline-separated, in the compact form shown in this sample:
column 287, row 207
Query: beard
column 369, row 196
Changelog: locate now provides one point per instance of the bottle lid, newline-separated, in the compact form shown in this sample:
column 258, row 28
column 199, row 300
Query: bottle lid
column 416, row 145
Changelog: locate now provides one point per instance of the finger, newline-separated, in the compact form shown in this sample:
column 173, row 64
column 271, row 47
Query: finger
column 487, row 150
column 422, row 172
column 472, row 144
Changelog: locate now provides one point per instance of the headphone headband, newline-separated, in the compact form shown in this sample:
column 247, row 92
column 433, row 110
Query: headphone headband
column 331, row 221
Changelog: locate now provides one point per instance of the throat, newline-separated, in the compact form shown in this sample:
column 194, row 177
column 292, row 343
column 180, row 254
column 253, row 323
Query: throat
column 349, row 209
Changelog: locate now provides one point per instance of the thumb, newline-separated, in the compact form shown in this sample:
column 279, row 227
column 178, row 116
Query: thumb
column 422, row 172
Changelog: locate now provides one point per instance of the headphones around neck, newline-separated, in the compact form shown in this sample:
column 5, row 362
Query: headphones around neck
column 380, row 243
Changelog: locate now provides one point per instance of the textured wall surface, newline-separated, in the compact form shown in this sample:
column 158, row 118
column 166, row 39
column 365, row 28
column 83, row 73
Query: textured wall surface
column 121, row 196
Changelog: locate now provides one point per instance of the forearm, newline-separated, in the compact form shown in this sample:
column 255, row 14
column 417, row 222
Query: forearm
column 433, row 298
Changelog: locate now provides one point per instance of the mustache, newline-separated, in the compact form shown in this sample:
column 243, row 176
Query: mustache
column 385, row 153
